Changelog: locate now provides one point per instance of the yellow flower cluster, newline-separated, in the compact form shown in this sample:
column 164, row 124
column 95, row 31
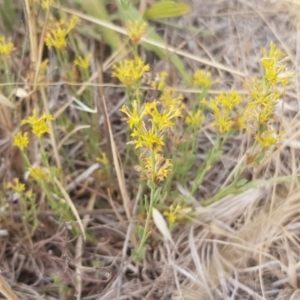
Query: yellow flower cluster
column 168, row 98
column 5, row 47
column 274, row 69
column 159, row 82
column 21, row 140
column 257, row 115
column 149, row 125
column 202, row 79
column 195, row 118
column 173, row 213
column 16, row 186
column 223, row 107
column 263, row 96
column 130, row 72
column 56, row 36
column 83, row 62
column 38, row 173
column 161, row 168
column 45, row 4
column 39, row 125
column 136, row 30
column 267, row 138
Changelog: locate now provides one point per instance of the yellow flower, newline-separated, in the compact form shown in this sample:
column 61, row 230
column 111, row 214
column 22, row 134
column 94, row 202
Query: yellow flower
column 29, row 194
column 195, row 119
column 223, row 122
column 202, row 79
column 241, row 122
column 223, row 107
column 73, row 22
column 228, row 101
column 159, row 82
column 264, row 94
column 267, row 139
column 136, row 30
column 39, row 125
column 156, row 170
column 163, row 120
column 130, row 72
column 83, row 62
column 5, row 48
column 17, row 186
column 168, row 99
column 43, row 66
column 56, row 37
column 163, row 168
column 135, row 118
column 160, row 119
column 38, row 173
column 21, row 140
column 272, row 65
column 103, row 159
column 173, row 213
column 45, row 4
column 148, row 139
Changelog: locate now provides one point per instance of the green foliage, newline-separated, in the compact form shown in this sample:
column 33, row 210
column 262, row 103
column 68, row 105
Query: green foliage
column 8, row 14
column 166, row 9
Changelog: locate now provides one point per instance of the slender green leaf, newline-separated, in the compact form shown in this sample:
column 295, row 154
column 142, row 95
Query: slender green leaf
column 8, row 14
column 260, row 157
column 151, row 184
column 146, row 204
column 156, row 195
column 166, row 9
column 98, row 10
column 241, row 182
column 140, row 232
column 125, row 3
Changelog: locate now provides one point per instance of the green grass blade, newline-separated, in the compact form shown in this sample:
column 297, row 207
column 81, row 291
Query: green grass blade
column 97, row 10
column 166, row 9
column 8, row 14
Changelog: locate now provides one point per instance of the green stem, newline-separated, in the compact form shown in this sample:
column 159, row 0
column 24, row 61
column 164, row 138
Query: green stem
column 213, row 155
column 209, row 160
column 63, row 59
column 25, row 156
column 7, row 75
column 151, row 203
column 149, row 215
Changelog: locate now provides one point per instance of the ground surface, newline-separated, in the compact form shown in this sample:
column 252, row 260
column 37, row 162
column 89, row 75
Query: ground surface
column 242, row 247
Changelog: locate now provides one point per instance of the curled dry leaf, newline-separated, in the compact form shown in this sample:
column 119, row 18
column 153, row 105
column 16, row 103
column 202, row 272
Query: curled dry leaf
column 161, row 224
